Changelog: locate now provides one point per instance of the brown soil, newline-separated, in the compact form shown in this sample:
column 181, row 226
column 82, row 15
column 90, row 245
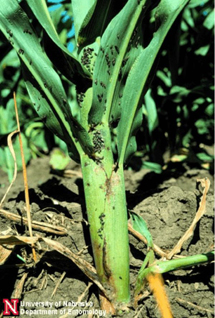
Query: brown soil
column 167, row 202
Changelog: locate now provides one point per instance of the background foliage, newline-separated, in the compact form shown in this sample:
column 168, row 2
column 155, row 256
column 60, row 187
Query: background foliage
column 178, row 109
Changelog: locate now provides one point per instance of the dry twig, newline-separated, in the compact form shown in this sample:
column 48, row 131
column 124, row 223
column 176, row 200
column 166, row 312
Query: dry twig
column 5, row 252
column 45, row 227
column 193, row 305
column 27, row 201
column 10, row 145
column 84, row 266
column 80, row 298
column 58, row 283
column 19, row 287
column 201, row 210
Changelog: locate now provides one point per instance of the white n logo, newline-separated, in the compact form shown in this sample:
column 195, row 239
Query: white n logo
column 10, row 307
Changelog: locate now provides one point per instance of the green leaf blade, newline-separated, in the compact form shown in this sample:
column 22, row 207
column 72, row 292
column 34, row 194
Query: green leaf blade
column 167, row 12
column 96, row 20
column 114, row 44
column 140, row 226
column 83, row 11
column 57, row 52
column 41, row 78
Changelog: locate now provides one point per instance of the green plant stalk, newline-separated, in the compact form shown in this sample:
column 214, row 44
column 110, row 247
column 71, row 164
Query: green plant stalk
column 140, row 282
column 175, row 264
column 185, row 262
column 107, row 216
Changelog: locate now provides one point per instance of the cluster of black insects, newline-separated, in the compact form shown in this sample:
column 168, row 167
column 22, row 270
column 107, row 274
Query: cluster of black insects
column 10, row 35
column 102, row 225
column 135, row 38
column 98, row 142
column 87, row 57
column 110, row 54
column 110, row 59
column 80, row 98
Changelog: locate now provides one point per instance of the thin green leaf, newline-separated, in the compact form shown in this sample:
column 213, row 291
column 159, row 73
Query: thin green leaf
column 8, row 119
column 140, row 226
column 205, row 156
column 165, row 78
column 203, row 50
column 42, row 80
column 10, row 64
column 167, row 12
column 209, row 111
column 57, row 52
column 156, row 167
column 152, row 116
column 46, row 112
column 82, row 11
column 141, row 277
column 176, row 264
column 209, row 21
column 97, row 19
column 196, row 3
column 114, row 44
